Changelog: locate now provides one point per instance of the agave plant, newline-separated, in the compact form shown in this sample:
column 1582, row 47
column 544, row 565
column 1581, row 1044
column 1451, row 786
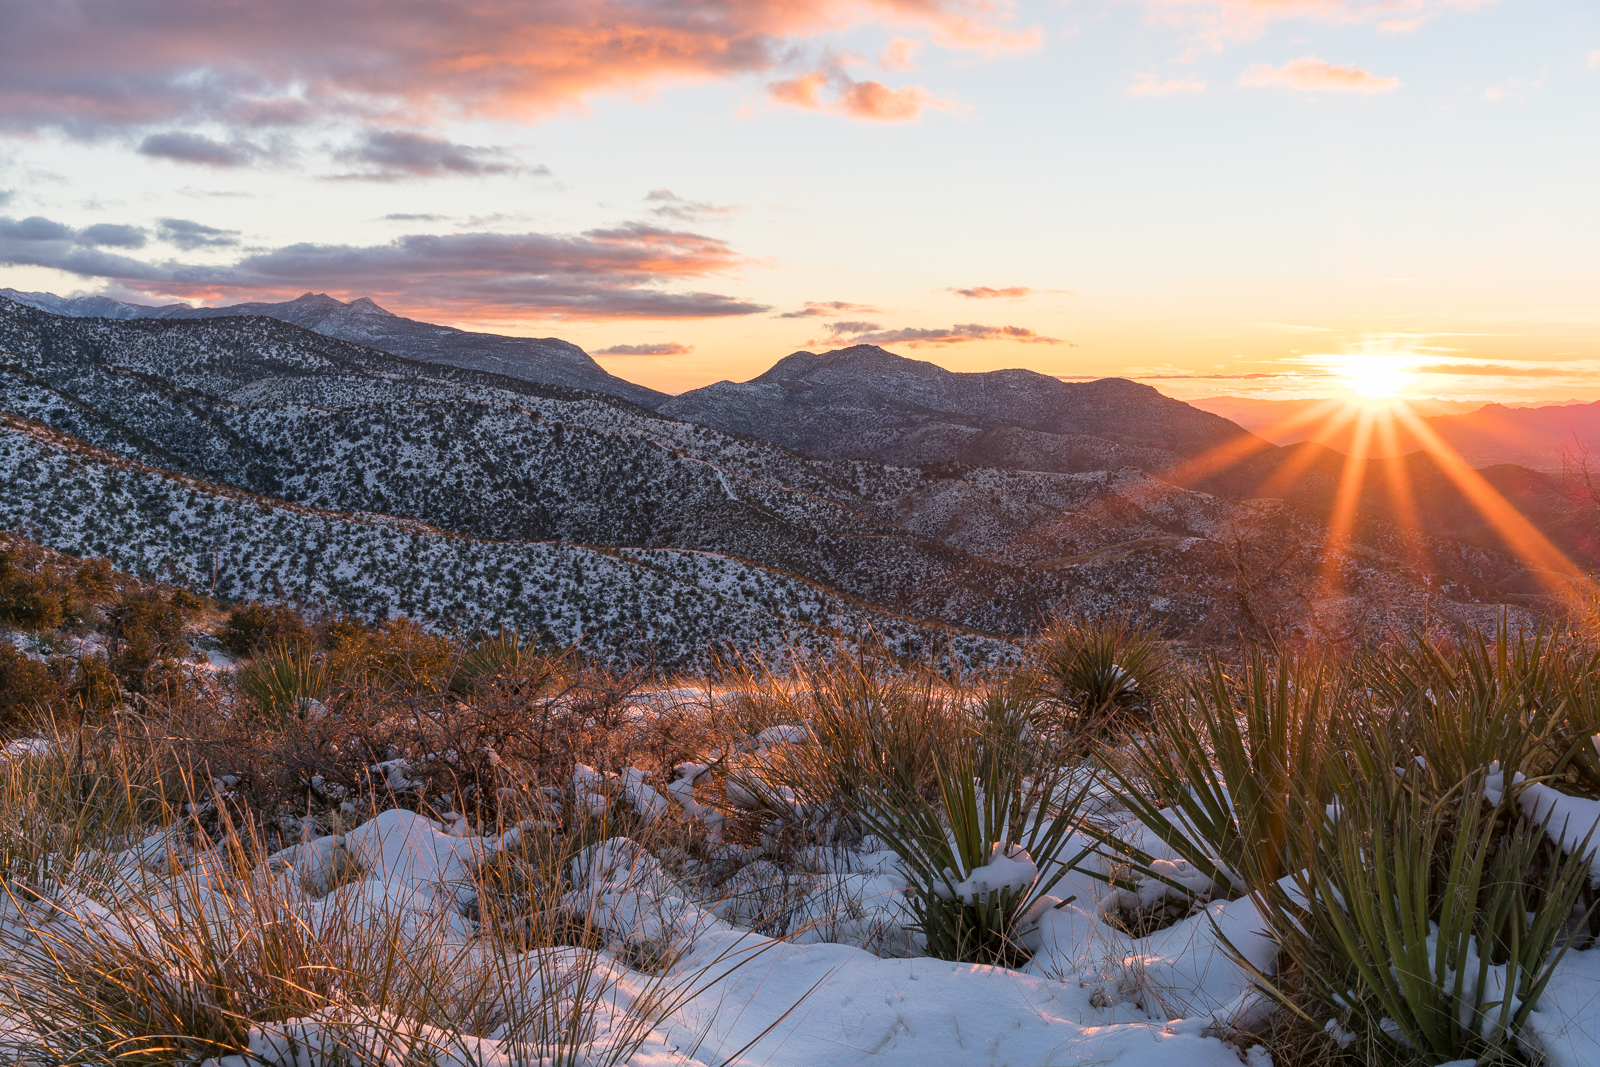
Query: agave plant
column 986, row 851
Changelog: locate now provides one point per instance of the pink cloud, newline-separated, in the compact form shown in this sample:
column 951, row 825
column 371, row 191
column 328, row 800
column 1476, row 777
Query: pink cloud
column 868, row 333
column 987, row 292
column 1312, row 75
column 92, row 64
column 832, row 90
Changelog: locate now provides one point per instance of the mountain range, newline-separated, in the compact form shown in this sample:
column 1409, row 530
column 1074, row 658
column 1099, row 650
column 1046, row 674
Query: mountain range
column 544, row 359
column 882, row 493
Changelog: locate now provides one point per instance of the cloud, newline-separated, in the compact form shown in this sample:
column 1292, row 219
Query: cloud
column 191, row 235
column 394, row 155
column 846, row 329
column 955, row 335
column 898, row 54
column 1221, row 21
column 183, row 147
column 670, row 205
column 35, row 228
column 112, row 235
column 615, row 273
column 115, row 67
column 401, row 216
column 828, row 309
column 667, row 348
column 1151, row 85
column 5, row 196
column 1507, row 370
column 871, row 100
column 1312, row 75
column 984, row 292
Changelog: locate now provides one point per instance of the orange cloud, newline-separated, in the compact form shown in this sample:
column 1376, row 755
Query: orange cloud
column 870, row 100
column 292, row 62
column 1312, row 75
column 897, row 55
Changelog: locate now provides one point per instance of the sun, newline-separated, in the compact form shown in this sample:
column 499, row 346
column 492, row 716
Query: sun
column 1375, row 376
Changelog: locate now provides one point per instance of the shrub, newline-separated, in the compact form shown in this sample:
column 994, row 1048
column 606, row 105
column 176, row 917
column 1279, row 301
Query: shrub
column 399, row 654
column 28, row 600
column 26, row 686
column 146, row 628
column 254, row 625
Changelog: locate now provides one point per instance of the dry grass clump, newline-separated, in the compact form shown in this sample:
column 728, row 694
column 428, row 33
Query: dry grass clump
column 197, row 944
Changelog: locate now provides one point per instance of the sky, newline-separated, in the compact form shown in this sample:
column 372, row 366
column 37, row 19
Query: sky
column 1268, row 198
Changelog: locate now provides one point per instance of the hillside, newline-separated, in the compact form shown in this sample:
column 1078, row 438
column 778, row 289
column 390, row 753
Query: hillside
column 671, row 607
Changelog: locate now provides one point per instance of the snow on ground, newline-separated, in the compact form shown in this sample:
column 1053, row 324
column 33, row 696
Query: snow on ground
column 845, row 987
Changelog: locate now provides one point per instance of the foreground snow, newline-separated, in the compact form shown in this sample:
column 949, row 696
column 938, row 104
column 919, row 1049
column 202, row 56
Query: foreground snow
column 1091, row 994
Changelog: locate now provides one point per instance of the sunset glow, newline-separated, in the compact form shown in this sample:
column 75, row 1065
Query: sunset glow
column 1079, row 189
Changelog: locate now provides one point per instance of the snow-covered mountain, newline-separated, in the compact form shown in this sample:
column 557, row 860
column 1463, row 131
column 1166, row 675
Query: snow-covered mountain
column 865, row 402
column 261, row 406
column 546, row 359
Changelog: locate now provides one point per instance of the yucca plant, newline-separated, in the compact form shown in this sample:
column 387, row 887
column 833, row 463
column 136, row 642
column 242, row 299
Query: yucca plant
column 1214, row 779
column 506, row 656
column 1099, row 668
column 1415, row 919
column 997, row 838
column 284, row 679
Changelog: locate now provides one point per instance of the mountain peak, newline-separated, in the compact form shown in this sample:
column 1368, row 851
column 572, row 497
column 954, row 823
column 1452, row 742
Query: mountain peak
column 364, row 305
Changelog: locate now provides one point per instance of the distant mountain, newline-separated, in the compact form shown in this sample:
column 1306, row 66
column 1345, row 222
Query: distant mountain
column 547, row 359
column 300, row 423
column 1543, row 437
column 867, row 403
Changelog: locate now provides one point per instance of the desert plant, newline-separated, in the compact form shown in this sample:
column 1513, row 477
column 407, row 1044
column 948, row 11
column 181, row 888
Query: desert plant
column 865, row 721
column 1216, row 778
column 1098, row 668
column 505, row 658
column 254, row 625
column 1417, row 918
column 986, row 851
column 284, row 680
